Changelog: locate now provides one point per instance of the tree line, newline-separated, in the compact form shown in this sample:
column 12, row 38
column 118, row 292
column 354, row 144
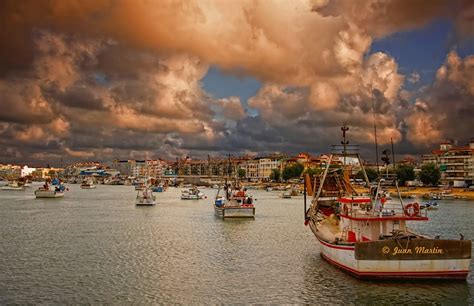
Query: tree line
column 429, row 174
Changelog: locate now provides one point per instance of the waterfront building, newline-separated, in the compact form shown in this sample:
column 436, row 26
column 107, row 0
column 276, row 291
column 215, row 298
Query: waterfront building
column 8, row 171
column 251, row 169
column 141, row 168
column 456, row 163
column 47, row 173
column 265, row 167
column 26, row 171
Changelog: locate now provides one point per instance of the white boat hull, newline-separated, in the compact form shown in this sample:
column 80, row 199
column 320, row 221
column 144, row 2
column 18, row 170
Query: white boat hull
column 48, row 194
column 234, row 212
column 12, row 188
column 344, row 257
column 145, row 202
column 88, row 187
column 192, row 196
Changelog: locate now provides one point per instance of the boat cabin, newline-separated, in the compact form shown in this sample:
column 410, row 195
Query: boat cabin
column 359, row 220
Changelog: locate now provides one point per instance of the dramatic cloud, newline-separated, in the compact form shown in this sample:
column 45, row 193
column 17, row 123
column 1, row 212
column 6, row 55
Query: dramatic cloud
column 448, row 108
column 122, row 78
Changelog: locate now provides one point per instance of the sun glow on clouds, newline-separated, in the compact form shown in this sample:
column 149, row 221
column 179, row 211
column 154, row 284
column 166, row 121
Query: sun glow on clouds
column 137, row 68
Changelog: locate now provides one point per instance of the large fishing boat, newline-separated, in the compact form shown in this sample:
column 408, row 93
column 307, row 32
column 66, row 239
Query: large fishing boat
column 368, row 235
column 236, row 203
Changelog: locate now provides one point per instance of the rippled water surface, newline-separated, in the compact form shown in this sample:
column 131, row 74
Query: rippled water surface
column 95, row 246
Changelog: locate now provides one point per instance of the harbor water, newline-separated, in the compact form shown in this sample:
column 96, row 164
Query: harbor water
column 95, row 246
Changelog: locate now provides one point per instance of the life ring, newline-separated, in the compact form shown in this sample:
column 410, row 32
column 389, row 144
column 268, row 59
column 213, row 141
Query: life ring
column 412, row 209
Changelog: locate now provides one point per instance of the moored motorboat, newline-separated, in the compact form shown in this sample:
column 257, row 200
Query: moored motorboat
column 159, row 188
column 88, row 184
column 234, row 204
column 192, row 194
column 286, row 195
column 46, row 191
column 12, row 186
column 145, row 198
column 430, row 205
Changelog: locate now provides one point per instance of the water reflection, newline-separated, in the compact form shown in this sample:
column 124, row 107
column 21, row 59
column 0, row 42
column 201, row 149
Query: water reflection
column 95, row 246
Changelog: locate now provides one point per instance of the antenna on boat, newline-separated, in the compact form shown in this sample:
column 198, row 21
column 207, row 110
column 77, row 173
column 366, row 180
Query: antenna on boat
column 375, row 131
column 393, row 152
column 344, row 129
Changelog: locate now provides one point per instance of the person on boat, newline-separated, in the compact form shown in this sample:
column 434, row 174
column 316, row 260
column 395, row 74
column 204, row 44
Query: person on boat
column 46, row 186
column 240, row 193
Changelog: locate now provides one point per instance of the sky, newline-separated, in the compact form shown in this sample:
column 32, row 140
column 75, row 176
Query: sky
column 100, row 80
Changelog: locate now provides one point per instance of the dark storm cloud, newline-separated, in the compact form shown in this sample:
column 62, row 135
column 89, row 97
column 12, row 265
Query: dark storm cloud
column 105, row 79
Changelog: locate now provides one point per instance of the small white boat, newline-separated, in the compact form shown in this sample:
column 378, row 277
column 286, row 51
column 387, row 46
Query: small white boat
column 286, row 195
column 88, row 185
column 55, row 191
column 192, row 194
column 145, row 198
column 13, row 186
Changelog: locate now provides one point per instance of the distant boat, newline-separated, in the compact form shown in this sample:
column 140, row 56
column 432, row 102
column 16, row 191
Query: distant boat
column 286, row 195
column 88, row 185
column 234, row 204
column 50, row 192
column 192, row 194
column 159, row 188
column 431, row 205
column 145, row 198
column 140, row 186
column 15, row 185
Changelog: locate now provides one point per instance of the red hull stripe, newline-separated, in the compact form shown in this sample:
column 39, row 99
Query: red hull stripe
column 457, row 274
column 385, row 218
column 347, row 248
column 349, row 200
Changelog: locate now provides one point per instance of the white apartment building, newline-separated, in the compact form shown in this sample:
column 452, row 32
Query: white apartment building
column 456, row 163
column 266, row 166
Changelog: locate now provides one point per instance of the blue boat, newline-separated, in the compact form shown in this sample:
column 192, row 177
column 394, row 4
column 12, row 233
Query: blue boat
column 158, row 189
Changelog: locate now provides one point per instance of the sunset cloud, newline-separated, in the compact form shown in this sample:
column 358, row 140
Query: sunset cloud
column 104, row 79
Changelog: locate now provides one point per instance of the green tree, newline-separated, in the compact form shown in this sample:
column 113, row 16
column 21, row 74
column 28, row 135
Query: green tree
column 430, row 174
column 275, row 175
column 405, row 173
column 371, row 174
column 313, row 171
column 292, row 171
column 241, row 173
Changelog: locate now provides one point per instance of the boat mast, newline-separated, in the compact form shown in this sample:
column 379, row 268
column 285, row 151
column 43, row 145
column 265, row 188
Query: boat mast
column 375, row 132
column 393, row 152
